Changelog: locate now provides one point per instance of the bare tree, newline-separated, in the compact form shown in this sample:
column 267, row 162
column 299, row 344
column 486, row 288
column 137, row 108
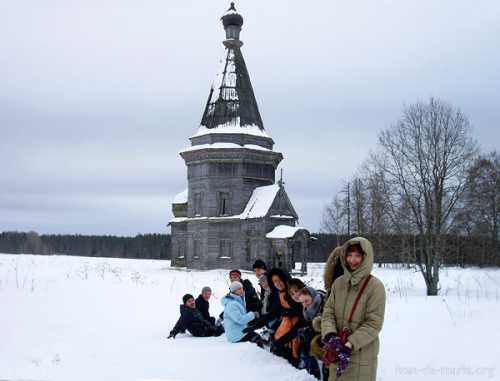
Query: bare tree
column 346, row 213
column 359, row 205
column 482, row 197
column 424, row 159
column 335, row 216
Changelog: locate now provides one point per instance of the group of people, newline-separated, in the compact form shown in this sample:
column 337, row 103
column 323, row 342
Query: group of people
column 332, row 333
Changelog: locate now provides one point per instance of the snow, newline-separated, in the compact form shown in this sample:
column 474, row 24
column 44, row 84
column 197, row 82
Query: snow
column 183, row 219
column 224, row 146
column 230, row 11
column 181, row 198
column 261, row 200
column 76, row 318
column 232, row 127
column 282, row 216
column 283, row 231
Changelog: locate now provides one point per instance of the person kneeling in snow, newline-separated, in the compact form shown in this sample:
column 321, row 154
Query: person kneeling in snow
column 236, row 317
column 192, row 320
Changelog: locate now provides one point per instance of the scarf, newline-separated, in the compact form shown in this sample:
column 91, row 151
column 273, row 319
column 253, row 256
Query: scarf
column 313, row 310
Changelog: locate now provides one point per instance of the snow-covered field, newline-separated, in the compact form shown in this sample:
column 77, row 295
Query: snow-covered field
column 76, row 318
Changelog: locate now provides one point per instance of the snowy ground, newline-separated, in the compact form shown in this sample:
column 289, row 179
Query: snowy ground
column 76, row 318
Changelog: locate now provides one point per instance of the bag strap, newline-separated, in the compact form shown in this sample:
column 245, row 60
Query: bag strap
column 356, row 302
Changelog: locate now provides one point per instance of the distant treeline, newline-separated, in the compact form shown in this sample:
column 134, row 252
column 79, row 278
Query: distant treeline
column 456, row 250
column 147, row 246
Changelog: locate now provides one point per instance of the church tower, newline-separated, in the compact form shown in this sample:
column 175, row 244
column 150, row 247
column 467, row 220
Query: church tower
column 232, row 199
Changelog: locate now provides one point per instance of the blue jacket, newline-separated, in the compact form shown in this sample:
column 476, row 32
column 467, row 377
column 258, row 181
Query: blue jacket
column 236, row 317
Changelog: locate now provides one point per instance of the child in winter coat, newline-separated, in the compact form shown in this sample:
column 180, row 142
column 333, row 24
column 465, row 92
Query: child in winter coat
column 353, row 315
column 192, row 320
column 252, row 300
column 236, row 317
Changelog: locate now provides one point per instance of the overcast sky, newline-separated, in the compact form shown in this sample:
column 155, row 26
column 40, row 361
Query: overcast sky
column 97, row 98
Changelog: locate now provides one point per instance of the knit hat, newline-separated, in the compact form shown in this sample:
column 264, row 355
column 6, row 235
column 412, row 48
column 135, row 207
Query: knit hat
column 235, row 271
column 186, row 297
column 235, row 286
column 206, row 289
column 259, row 264
column 262, row 278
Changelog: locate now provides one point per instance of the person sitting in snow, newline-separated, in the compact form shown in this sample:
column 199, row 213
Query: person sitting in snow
column 312, row 301
column 288, row 315
column 270, row 313
column 251, row 298
column 192, row 320
column 265, row 295
column 259, row 267
column 236, row 317
column 203, row 305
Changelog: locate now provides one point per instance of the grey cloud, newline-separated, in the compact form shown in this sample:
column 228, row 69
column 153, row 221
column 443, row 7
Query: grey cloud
column 96, row 99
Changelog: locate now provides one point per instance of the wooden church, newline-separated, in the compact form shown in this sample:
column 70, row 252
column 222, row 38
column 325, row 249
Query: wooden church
column 233, row 210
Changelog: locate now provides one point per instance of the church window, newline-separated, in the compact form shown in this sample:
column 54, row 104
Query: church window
column 197, row 248
column 226, row 248
column 224, row 207
column 198, row 197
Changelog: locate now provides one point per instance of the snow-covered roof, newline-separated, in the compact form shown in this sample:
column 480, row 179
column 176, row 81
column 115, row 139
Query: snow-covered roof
column 181, row 198
column 282, row 217
column 231, row 11
column 260, row 202
column 283, row 231
column 200, row 218
column 257, row 207
column 232, row 127
column 224, row 146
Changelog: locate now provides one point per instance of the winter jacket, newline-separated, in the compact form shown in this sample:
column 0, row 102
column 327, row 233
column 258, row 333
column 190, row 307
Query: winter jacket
column 273, row 313
column 274, row 307
column 262, row 294
column 333, row 268
column 286, row 342
column 192, row 320
column 265, row 300
column 236, row 317
column 203, row 306
column 368, row 317
column 316, row 308
column 252, row 300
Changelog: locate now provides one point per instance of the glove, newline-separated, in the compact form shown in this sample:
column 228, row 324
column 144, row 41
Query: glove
column 343, row 357
column 172, row 335
column 257, row 314
column 332, row 348
column 328, row 337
